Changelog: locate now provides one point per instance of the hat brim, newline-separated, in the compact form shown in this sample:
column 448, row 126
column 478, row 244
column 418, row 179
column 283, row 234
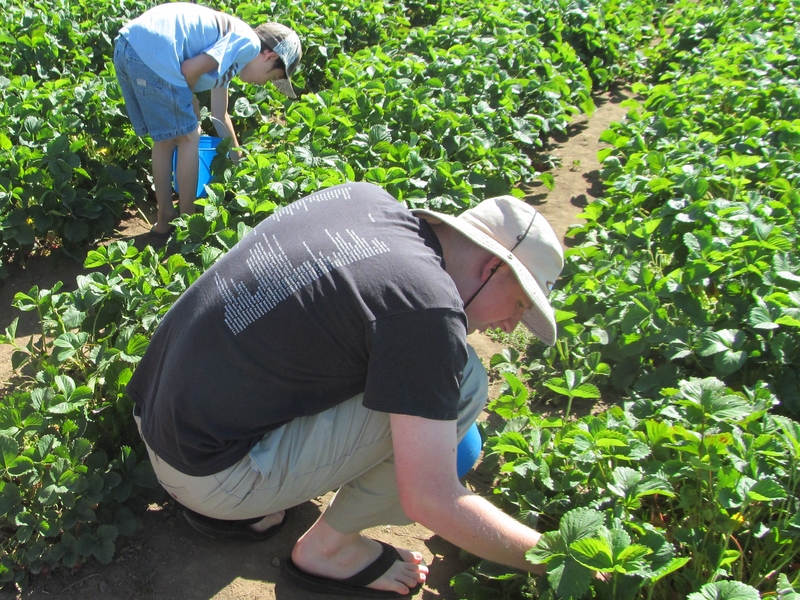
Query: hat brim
column 284, row 86
column 540, row 317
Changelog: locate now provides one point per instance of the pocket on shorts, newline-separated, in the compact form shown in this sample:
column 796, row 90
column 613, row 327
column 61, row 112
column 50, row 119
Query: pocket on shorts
column 177, row 492
column 240, row 480
column 144, row 81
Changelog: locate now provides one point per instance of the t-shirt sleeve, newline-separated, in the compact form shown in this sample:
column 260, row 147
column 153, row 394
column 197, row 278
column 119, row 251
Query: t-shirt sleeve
column 416, row 362
column 232, row 52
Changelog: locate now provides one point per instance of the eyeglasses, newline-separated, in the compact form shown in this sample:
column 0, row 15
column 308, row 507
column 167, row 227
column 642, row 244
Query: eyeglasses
column 520, row 237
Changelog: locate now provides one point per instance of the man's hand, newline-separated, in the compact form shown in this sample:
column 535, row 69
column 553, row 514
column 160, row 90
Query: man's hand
column 193, row 68
column 430, row 493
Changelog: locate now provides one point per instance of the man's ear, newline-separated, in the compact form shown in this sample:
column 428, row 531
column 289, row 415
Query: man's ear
column 490, row 266
column 268, row 54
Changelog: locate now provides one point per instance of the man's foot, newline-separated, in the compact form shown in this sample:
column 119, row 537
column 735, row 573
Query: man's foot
column 383, row 569
column 323, row 554
column 253, row 530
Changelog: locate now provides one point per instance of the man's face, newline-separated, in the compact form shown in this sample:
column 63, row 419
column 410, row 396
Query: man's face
column 500, row 304
column 263, row 68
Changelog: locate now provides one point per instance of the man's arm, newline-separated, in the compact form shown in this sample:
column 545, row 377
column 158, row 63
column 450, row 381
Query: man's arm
column 430, row 493
column 219, row 110
column 193, row 68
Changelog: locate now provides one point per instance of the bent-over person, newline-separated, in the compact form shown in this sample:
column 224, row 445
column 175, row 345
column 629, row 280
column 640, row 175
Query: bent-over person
column 328, row 351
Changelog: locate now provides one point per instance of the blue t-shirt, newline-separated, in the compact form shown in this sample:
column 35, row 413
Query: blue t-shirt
column 169, row 34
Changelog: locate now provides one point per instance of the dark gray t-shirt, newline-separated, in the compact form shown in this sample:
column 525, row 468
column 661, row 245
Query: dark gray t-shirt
column 339, row 293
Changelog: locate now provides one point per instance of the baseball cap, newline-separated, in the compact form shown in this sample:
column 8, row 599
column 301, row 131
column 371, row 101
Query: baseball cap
column 520, row 236
column 286, row 44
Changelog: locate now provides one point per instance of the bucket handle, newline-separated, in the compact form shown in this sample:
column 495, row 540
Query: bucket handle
column 222, row 130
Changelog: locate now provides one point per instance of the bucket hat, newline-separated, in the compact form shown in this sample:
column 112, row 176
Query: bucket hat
column 521, row 237
column 286, row 44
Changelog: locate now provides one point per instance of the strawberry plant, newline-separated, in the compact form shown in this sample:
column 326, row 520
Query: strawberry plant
column 584, row 545
column 64, row 179
column 71, row 466
column 696, row 485
column 62, row 495
column 682, row 284
column 701, row 243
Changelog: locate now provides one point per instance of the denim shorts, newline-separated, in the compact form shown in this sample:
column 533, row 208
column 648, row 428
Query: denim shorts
column 155, row 107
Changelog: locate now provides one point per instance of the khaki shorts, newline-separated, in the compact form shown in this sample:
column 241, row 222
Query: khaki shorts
column 346, row 448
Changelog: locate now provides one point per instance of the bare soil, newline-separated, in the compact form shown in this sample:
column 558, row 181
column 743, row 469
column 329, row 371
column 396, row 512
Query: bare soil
column 169, row 559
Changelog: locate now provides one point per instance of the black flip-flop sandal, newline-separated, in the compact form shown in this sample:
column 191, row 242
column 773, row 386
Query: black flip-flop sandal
column 352, row 586
column 238, row 529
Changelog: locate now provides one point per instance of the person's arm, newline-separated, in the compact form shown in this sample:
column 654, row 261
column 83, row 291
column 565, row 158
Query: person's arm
column 219, row 110
column 193, row 68
column 430, row 493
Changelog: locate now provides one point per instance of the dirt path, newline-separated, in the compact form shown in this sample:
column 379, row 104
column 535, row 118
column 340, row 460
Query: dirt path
column 167, row 558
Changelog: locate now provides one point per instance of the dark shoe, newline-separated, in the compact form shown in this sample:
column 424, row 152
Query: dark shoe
column 231, row 529
column 355, row 585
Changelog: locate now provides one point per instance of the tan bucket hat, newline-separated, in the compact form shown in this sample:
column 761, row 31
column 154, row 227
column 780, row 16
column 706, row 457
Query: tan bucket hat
column 518, row 234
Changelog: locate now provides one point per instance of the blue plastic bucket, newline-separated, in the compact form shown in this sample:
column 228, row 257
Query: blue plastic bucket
column 207, row 149
column 468, row 451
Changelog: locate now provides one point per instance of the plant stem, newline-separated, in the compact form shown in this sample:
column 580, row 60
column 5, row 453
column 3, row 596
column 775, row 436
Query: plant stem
column 569, row 408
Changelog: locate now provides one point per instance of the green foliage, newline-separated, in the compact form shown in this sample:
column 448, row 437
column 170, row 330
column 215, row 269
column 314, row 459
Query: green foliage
column 725, row 590
column 583, row 546
column 64, row 175
column 686, row 267
column 680, row 299
column 62, row 499
column 697, row 485
column 441, row 103
column 680, row 302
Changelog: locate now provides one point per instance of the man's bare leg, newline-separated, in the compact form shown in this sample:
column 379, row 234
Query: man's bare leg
column 324, row 552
